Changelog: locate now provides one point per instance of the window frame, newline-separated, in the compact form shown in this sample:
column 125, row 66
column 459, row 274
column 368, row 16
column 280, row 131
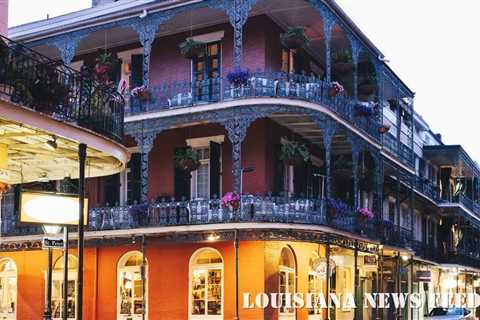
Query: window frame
column 206, row 267
column 57, row 275
column 10, row 274
column 287, row 270
column 121, row 268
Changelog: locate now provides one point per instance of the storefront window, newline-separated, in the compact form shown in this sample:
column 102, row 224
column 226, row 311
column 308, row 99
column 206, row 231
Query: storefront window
column 315, row 285
column 57, row 288
column 8, row 289
column 286, row 283
column 206, row 285
column 130, row 286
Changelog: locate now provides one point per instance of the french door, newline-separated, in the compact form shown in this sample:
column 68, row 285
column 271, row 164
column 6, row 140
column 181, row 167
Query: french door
column 206, row 74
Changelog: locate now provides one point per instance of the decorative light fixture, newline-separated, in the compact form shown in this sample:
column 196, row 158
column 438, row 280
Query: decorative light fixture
column 213, row 237
column 51, row 144
column 51, row 229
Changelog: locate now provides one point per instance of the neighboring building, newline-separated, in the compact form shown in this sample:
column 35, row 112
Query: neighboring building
column 297, row 228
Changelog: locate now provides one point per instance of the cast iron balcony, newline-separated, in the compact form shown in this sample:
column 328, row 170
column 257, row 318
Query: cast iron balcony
column 34, row 81
column 261, row 84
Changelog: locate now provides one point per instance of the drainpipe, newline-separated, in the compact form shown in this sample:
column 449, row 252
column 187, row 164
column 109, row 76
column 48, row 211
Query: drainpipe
column 235, row 245
column 4, row 18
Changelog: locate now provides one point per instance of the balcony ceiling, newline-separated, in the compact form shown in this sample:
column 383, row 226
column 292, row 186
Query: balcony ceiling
column 25, row 133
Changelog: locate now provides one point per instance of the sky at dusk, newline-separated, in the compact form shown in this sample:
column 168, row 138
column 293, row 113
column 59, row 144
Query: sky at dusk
column 431, row 44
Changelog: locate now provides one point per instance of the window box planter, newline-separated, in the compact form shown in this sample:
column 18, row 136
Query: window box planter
column 141, row 93
column 294, row 38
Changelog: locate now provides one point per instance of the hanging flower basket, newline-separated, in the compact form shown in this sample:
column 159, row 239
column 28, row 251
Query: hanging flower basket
column 142, row 93
column 342, row 63
column 294, row 38
column 191, row 49
column 335, row 89
column 364, row 110
column 384, row 128
column 294, row 153
column 231, row 200
column 187, row 160
column 103, row 66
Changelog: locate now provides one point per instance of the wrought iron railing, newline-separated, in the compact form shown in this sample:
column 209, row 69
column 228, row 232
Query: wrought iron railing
column 426, row 187
column 260, row 84
column 39, row 83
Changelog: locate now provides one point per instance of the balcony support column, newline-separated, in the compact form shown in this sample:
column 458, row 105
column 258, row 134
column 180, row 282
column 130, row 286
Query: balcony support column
column 237, row 12
column 328, row 23
column 356, row 48
column 379, row 191
column 146, row 29
column 357, row 145
column 237, row 131
column 397, row 201
column 145, row 144
column 329, row 127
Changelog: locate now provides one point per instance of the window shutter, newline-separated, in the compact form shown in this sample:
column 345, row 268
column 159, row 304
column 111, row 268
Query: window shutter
column 181, row 182
column 279, row 170
column 134, row 179
column 215, row 154
column 136, row 78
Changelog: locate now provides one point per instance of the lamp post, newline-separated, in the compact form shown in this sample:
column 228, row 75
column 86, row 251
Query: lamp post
column 49, row 230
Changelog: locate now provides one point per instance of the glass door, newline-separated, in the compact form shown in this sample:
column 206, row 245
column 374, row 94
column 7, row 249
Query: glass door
column 206, row 74
column 206, row 294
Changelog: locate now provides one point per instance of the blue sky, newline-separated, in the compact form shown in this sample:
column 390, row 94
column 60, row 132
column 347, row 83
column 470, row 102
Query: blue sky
column 432, row 45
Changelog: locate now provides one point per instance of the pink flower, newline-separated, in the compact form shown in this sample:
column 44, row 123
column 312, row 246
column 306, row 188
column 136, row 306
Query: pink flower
column 228, row 198
column 338, row 87
column 366, row 213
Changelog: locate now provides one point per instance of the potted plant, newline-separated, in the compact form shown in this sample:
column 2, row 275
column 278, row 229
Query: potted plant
column 367, row 85
column 294, row 38
column 335, row 207
column 239, row 77
column 231, row 200
column 342, row 62
column 142, row 93
column 364, row 215
column 294, row 153
column 191, row 48
column 335, row 89
column 187, row 159
column 104, row 64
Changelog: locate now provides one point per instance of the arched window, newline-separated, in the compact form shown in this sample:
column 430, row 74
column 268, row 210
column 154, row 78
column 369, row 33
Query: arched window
column 130, row 295
column 316, row 274
column 8, row 289
column 57, row 288
column 206, row 285
column 286, row 282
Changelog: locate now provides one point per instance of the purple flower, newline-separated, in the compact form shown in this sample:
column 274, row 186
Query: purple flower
column 238, row 77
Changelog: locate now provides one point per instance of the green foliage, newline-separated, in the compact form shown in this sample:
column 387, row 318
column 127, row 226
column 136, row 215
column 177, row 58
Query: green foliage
column 295, row 37
column 185, row 154
column 342, row 57
column 294, row 149
column 191, row 47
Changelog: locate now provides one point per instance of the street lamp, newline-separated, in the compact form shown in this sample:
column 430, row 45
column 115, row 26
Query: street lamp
column 49, row 230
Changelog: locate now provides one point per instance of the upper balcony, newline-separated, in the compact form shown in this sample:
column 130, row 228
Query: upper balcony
column 147, row 43
column 34, row 81
column 46, row 111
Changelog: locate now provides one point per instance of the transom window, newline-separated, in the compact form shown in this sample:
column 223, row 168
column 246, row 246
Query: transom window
column 8, row 289
column 206, row 285
column 286, row 282
column 57, row 288
column 130, row 286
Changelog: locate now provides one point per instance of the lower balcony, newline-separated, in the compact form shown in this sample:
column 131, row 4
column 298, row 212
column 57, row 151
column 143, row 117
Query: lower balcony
column 251, row 209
